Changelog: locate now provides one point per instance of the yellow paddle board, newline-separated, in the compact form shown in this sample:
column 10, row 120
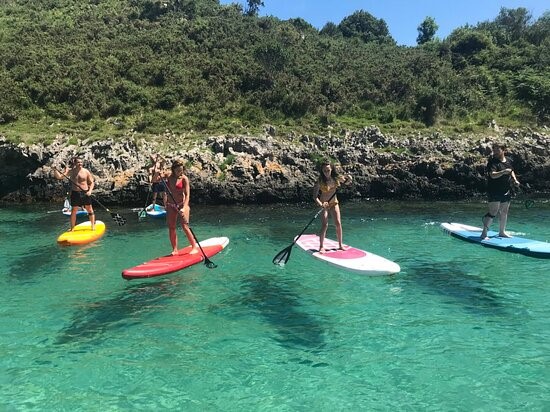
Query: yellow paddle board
column 82, row 234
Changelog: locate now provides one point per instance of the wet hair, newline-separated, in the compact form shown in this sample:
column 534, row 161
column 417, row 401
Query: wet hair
column 177, row 163
column 501, row 146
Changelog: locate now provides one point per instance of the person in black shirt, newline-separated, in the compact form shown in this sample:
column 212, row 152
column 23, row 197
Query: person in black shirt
column 500, row 177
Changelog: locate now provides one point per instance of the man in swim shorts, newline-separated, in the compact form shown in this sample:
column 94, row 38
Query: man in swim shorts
column 82, row 184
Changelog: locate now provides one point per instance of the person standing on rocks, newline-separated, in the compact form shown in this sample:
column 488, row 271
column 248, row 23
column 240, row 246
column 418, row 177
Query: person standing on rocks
column 177, row 186
column 324, row 195
column 500, row 178
column 82, row 184
column 155, row 179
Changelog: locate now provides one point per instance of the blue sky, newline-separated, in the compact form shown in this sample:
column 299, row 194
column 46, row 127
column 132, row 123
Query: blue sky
column 401, row 16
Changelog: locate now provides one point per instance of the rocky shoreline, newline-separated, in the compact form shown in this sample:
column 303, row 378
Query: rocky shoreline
column 264, row 169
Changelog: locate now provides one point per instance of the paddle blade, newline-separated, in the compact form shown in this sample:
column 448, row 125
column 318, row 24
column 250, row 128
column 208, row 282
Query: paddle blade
column 209, row 264
column 529, row 203
column 142, row 214
column 282, row 257
column 119, row 220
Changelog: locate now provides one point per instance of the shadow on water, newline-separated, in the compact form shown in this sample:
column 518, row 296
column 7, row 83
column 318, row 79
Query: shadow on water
column 97, row 318
column 37, row 260
column 451, row 280
column 281, row 308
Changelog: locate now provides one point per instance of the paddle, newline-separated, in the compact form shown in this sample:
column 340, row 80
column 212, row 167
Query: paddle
column 282, row 257
column 118, row 219
column 142, row 213
column 522, row 189
column 207, row 262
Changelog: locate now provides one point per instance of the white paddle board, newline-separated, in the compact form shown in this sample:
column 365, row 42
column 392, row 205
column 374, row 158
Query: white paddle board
column 351, row 258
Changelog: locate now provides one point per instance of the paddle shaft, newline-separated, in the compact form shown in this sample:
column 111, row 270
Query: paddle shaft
column 207, row 261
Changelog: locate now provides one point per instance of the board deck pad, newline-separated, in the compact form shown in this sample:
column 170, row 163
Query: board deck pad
column 168, row 264
column 515, row 244
column 351, row 258
column 82, row 234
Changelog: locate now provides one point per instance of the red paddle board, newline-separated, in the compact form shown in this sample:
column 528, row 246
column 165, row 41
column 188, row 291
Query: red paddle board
column 169, row 264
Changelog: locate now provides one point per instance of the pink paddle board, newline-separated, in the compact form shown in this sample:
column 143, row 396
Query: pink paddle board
column 351, row 258
column 169, row 264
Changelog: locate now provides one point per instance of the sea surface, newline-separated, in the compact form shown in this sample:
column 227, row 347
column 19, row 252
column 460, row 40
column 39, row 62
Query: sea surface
column 460, row 328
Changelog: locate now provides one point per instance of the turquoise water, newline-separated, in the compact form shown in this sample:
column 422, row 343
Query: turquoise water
column 462, row 327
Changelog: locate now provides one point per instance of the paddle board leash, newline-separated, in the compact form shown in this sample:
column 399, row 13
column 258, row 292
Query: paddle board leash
column 282, row 257
column 118, row 219
column 207, row 262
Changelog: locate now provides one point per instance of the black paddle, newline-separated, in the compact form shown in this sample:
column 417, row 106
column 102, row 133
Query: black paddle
column 522, row 189
column 207, row 262
column 529, row 203
column 282, row 257
column 142, row 213
column 119, row 220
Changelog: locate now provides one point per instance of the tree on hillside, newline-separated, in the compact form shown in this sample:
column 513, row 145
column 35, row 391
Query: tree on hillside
column 426, row 30
column 509, row 26
column 365, row 26
column 540, row 30
column 253, row 7
column 465, row 43
column 514, row 22
column 330, row 29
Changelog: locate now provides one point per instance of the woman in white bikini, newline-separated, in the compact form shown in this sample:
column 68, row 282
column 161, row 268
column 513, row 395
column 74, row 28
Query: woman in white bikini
column 324, row 194
column 178, row 205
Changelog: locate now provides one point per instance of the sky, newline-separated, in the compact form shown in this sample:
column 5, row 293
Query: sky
column 402, row 16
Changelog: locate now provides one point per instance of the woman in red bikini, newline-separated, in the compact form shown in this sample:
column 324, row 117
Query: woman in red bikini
column 178, row 186
column 324, row 194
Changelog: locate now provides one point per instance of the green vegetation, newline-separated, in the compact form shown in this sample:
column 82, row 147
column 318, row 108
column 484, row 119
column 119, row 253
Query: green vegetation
column 97, row 68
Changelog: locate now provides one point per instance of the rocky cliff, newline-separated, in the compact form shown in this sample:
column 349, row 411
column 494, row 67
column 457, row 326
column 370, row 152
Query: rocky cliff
column 264, row 169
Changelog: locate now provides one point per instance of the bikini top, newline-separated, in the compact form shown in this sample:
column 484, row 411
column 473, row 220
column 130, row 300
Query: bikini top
column 324, row 187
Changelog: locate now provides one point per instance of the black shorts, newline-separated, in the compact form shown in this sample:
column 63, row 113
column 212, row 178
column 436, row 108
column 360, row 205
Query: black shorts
column 80, row 198
column 159, row 187
column 500, row 197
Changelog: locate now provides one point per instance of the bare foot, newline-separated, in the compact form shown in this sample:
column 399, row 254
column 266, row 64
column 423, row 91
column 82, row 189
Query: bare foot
column 194, row 251
column 506, row 235
column 322, row 250
column 175, row 252
column 343, row 247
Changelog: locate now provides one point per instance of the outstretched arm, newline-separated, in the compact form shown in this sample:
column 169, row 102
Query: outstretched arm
column 60, row 175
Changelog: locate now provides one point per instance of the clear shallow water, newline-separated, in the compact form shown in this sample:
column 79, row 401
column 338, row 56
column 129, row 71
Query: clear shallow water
column 462, row 327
